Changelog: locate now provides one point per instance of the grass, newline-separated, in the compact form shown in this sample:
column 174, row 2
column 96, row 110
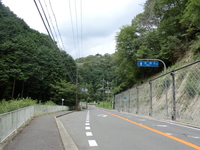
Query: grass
column 11, row 105
column 106, row 105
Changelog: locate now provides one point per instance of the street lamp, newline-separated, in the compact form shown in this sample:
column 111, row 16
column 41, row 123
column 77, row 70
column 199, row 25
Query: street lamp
column 62, row 102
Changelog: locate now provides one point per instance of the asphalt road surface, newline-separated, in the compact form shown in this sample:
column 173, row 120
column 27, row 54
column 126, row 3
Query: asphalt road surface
column 101, row 129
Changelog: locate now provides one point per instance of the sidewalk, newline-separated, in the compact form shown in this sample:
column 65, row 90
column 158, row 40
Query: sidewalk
column 41, row 134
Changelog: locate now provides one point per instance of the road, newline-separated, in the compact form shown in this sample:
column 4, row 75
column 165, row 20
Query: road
column 100, row 129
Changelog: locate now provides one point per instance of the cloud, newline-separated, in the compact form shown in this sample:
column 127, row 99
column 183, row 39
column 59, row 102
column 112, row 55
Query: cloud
column 101, row 19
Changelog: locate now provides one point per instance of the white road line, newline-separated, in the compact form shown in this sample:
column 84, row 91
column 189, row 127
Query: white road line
column 128, row 116
column 169, row 133
column 194, row 137
column 141, row 119
column 160, row 125
column 89, row 134
column 87, row 128
column 88, row 116
column 92, row 143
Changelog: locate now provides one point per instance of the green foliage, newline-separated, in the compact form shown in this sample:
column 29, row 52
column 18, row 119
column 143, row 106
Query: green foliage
column 30, row 65
column 106, row 105
column 7, row 106
column 195, row 46
column 166, row 30
column 11, row 105
column 191, row 14
column 92, row 70
column 49, row 103
column 63, row 90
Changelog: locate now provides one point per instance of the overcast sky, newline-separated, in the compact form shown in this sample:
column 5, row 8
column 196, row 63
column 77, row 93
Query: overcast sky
column 101, row 20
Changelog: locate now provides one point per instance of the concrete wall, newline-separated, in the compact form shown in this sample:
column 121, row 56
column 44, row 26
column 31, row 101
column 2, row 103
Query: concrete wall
column 11, row 121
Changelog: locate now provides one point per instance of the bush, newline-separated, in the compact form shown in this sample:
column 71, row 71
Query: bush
column 49, row 103
column 7, row 106
column 106, row 105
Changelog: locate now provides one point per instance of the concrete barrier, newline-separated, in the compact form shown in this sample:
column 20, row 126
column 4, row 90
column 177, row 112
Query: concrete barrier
column 67, row 141
column 11, row 121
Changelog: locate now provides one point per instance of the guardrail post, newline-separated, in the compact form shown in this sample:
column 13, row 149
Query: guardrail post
column 137, row 111
column 1, row 138
column 129, row 101
column 150, row 102
column 173, row 96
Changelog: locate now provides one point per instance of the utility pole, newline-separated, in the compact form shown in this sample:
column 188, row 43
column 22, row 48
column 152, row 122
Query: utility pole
column 77, row 87
column 103, row 91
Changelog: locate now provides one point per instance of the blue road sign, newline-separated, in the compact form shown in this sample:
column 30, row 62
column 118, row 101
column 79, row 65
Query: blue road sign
column 147, row 63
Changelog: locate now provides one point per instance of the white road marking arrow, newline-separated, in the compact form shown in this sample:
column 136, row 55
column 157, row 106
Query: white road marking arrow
column 102, row 115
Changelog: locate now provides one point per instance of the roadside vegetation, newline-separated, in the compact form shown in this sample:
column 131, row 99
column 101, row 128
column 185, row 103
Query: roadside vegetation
column 11, row 105
column 106, row 105
column 166, row 30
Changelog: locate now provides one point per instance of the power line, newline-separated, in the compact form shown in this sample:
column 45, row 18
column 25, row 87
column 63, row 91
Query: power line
column 46, row 20
column 43, row 21
column 59, row 33
column 57, row 25
column 77, row 31
column 52, row 35
column 50, row 20
column 81, row 6
column 72, row 26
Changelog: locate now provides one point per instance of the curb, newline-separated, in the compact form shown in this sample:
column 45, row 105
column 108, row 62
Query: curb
column 67, row 141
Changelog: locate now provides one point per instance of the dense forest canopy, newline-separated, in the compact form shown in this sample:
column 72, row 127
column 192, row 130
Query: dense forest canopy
column 96, row 75
column 166, row 30
column 32, row 66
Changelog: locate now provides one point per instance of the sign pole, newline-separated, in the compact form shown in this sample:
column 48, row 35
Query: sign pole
column 165, row 80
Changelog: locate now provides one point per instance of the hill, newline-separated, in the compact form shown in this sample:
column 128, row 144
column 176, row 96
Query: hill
column 31, row 65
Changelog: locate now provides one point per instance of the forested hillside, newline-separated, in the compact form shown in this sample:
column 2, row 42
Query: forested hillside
column 96, row 73
column 167, row 30
column 31, row 65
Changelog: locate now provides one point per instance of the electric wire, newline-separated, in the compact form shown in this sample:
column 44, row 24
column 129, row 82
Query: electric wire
column 56, row 37
column 57, row 25
column 44, row 23
column 63, row 47
column 69, row 70
column 81, row 13
column 72, row 25
column 79, row 49
column 50, row 35
column 46, row 20
column 77, row 31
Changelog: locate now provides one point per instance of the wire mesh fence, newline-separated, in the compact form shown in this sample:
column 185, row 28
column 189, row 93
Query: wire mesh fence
column 174, row 96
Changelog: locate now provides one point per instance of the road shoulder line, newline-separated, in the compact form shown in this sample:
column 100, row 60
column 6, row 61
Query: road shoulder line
column 154, row 130
column 67, row 141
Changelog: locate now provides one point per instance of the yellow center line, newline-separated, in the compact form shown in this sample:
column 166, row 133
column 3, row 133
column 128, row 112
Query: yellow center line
column 156, row 131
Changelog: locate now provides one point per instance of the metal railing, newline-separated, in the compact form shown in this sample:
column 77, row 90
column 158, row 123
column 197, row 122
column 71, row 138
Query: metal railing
column 174, row 95
column 11, row 121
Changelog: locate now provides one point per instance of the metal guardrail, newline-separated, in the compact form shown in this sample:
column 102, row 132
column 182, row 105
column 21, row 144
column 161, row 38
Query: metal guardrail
column 11, row 121
column 174, row 95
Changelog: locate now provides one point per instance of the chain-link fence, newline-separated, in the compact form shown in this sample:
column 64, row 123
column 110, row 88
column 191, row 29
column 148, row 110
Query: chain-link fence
column 174, row 96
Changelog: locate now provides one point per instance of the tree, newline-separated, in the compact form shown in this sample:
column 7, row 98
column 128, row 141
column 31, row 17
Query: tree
column 30, row 62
